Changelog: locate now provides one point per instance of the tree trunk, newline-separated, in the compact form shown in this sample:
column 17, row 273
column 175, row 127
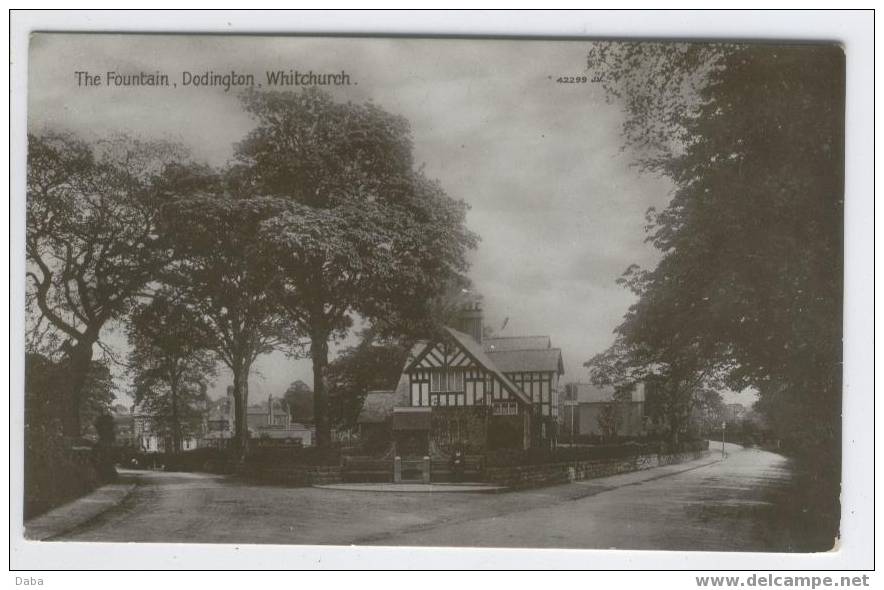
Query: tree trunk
column 76, row 370
column 240, row 405
column 176, row 423
column 319, row 356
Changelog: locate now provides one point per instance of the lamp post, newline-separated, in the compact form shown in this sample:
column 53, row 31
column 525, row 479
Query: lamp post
column 723, row 426
column 573, row 405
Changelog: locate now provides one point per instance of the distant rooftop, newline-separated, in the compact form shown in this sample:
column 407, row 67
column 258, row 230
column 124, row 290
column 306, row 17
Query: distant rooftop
column 520, row 361
column 503, row 343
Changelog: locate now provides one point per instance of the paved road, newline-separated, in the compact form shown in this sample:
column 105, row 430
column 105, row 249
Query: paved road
column 705, row 505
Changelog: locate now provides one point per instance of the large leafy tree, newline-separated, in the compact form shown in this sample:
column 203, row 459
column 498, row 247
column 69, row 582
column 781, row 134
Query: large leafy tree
column 91, row 244
column 360, row 231
column 750, row 276
column 219, row 273
column 171, row 365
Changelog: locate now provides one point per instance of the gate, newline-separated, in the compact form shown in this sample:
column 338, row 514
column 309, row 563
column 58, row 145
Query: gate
column 414, row 470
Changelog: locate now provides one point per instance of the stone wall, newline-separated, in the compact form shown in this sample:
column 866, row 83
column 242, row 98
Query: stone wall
column 523, row 476
column 296, row 475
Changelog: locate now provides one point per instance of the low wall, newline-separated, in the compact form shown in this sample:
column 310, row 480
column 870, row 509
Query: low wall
column 367, row 469
column 295, row 475
column 522, row 476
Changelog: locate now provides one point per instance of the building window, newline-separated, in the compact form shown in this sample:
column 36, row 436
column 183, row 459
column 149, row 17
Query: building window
column 446, row 380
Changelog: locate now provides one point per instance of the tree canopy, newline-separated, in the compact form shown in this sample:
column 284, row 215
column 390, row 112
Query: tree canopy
column 359, row 229
column 749, row 284
column 91, row 242
column 218, row 273
column 373, row 364
column 171, row 365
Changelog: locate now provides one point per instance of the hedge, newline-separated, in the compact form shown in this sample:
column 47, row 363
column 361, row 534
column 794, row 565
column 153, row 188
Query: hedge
column 206, row 459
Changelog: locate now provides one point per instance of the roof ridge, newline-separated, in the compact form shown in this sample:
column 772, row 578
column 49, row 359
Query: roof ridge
column 524, row 350
column 511, row 337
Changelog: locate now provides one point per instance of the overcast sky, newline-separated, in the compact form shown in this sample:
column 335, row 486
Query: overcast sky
column 552, row 195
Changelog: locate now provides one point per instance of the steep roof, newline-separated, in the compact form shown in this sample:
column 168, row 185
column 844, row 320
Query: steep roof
column 475, row 350
column 521, row 361
column 503, row 343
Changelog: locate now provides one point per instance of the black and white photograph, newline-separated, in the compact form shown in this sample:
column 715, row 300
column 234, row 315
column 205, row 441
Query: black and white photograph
column 434, row 292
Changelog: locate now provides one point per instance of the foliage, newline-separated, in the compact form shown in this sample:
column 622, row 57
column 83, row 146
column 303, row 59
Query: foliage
column 98, row 394
column 709, row 411
column 91, row 243
column 104, row 428
column 219, row 274
column 750, row 277
column 312, row 456
column 359, row 230
column 607, row 420
column 749, row 286
column 299, row 398
column 171, row 364
column 207, row 459
column 43, row 378
column 374, row 364
column 53, row 473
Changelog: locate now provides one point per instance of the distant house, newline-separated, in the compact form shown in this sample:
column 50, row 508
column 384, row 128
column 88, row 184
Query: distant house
column 146, row 437
column 462, row 391
column 124, row 428
column 585, row 409
column 273, row 420
column 219, row 422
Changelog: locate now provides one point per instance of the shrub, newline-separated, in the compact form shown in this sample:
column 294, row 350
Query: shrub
column 312, row 456
column 54, row 473
column 210, row 460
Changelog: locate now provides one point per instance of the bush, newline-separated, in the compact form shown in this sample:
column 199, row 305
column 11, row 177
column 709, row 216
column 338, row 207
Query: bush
column 308, row 456
column 54, row 476
column 210, row 460
column 206, row 459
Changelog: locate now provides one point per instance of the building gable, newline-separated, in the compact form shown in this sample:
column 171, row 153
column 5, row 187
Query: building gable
column 460, row 351
column 443, row 354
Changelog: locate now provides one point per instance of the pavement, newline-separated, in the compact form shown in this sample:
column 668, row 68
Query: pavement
column 414, row 488
column 709, row 504
column 77, row 513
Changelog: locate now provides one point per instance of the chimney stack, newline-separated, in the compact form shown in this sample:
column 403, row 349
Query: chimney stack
column 469, row 319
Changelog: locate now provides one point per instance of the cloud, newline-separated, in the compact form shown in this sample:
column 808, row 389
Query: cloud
column 558, row 206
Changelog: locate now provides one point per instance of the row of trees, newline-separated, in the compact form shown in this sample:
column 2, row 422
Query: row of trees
column 748, row 289
column 321, row 215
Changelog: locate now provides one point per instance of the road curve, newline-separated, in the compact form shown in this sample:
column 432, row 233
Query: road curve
column 730, row 505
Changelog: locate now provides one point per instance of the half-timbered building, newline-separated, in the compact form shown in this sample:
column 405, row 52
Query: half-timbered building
column 462, row 391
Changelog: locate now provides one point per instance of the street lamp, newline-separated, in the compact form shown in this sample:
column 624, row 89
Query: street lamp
column 571, row 404
column 723, row 426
